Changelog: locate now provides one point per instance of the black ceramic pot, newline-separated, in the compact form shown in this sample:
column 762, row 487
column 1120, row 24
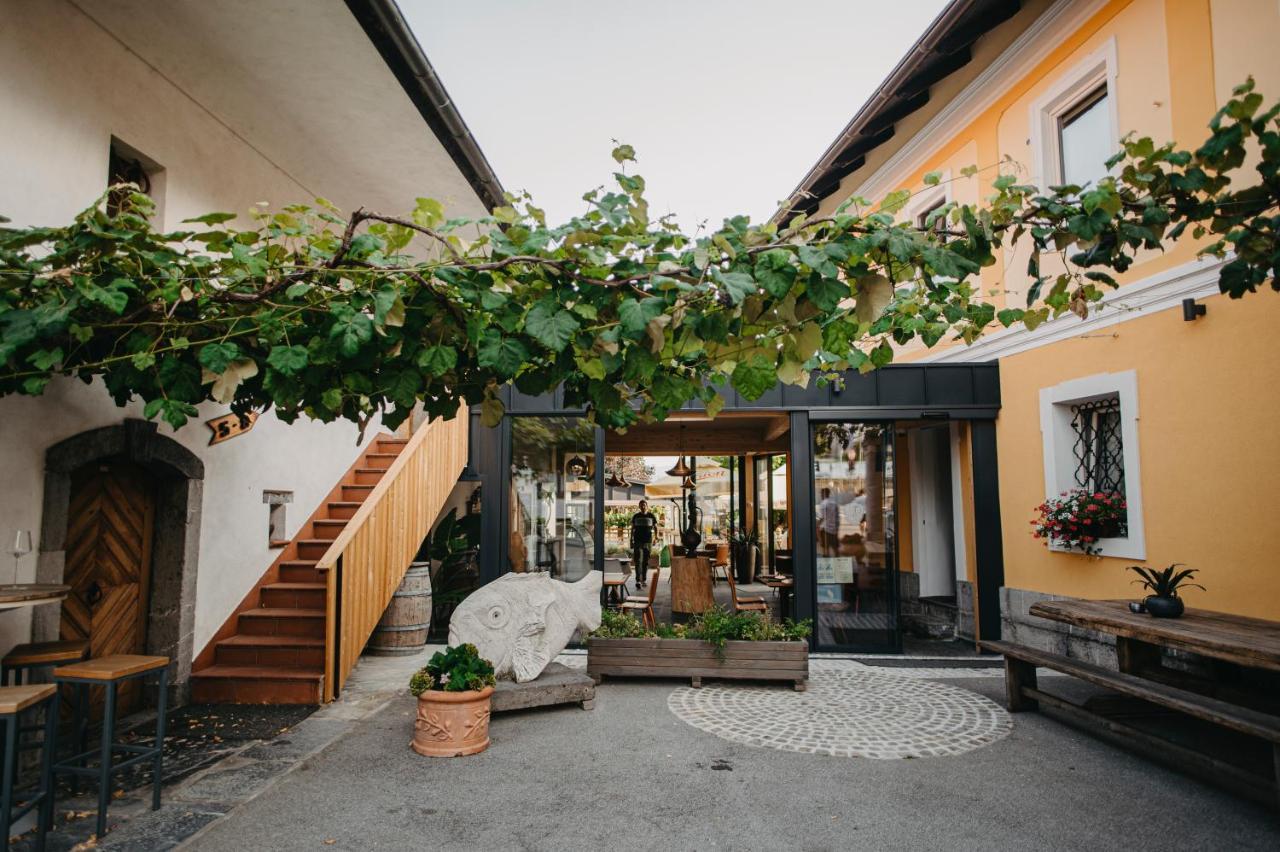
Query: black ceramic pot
column 1164, row 607
column 691, row 538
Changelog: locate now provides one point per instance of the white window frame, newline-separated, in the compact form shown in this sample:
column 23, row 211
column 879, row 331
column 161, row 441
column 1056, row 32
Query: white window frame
column 924, row 199
column 1084, row 79
column 1058, row 438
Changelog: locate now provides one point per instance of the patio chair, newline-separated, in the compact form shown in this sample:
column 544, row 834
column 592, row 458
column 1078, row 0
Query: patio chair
column 748, row 603
column 644, row 605
column 721, row 562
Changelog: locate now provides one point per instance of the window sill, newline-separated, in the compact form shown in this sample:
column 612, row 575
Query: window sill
column 1109, row 548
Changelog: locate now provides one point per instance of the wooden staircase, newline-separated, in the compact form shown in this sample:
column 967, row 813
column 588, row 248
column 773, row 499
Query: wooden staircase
column 273, row 648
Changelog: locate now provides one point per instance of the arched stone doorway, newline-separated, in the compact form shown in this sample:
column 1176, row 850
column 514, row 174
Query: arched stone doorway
column 178, row 478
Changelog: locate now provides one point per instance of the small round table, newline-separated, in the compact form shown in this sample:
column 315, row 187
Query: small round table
column 14, row 595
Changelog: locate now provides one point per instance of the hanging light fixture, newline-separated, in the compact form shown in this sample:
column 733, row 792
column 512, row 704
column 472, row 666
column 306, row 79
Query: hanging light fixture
column 576, row 466
column 681, row 469
column 616, row 481
column 689, row 483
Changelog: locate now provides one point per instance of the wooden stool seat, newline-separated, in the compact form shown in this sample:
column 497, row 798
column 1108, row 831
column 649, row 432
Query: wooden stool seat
column 109, row 674
column 114, row 667
column 15, row 699
column 46, row 653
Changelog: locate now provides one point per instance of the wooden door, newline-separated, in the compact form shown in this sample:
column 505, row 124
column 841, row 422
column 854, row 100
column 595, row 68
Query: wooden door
column 109, row 531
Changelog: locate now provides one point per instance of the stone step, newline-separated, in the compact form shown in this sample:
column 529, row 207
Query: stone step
column 343, row 510
column 327, row 528
column 929, row 627
column 223, row 684
column 294, row 595
column 281, row 621
column 290, row 652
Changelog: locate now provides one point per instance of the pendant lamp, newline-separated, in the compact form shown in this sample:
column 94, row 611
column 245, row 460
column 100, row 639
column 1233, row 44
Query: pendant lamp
column 681, row 469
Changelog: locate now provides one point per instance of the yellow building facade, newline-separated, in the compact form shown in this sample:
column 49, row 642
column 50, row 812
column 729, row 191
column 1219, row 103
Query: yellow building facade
column 1194, row 403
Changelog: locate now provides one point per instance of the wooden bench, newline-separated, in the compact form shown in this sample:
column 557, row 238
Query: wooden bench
column 1024, row 694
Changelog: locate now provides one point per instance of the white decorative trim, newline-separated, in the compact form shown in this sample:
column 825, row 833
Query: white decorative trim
column 1095, row 70
column 1058, row 439
column 1158, row 292
column 1014, row 63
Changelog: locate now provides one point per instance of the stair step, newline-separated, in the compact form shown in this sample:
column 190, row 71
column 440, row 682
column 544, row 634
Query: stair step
column 356, row 492
column 300, row 571
column 368, row 475
column 294, row 595
column 343, row 510
column 256, row 685
column 313, row 548
column 291, row 652
column 327, row 528
column 387, row 444
column 283, row 621
column 382, row 461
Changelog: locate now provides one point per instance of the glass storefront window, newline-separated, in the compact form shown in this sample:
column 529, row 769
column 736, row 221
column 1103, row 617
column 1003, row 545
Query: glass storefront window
column 853, row 482
column 552, row 525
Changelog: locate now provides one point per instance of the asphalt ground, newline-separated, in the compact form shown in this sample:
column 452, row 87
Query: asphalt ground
column 630, row 775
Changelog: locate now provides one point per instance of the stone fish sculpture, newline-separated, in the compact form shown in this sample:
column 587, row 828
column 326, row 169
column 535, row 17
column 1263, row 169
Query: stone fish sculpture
column 520, row 622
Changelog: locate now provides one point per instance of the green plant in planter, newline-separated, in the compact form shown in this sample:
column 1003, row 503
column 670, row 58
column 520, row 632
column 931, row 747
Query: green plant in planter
column 1163, row 602
column 455, row 669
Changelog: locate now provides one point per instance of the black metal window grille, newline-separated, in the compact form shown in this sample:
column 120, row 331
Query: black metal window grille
column 1099, row 445
column 121, row 168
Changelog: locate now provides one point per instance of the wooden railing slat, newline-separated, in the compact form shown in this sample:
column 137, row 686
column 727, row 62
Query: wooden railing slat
column 381, row 539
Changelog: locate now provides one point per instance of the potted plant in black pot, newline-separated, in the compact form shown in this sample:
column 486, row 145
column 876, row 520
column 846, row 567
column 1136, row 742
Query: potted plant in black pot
column 744, row 544
column 1163, row 602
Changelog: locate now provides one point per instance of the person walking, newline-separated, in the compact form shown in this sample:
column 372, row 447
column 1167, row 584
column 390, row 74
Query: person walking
column 644, row 525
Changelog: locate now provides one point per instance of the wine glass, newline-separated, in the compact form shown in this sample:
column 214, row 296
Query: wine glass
column 21, row 547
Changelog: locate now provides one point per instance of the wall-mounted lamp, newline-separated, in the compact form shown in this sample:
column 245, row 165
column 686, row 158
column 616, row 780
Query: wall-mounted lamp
column 1190, row 310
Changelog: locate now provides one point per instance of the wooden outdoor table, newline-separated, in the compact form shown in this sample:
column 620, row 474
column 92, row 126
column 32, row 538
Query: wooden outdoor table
column 14, row 595
column 784, row 586
column 1250, row 642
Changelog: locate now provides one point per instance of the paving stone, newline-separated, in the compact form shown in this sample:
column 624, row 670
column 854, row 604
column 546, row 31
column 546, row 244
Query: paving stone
column 849, row 710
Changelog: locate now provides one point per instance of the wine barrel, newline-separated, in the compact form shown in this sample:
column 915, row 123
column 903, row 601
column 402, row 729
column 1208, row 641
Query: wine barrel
column 404, row 625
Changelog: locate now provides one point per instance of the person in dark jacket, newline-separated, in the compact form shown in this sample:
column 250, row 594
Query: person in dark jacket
column 644, row 527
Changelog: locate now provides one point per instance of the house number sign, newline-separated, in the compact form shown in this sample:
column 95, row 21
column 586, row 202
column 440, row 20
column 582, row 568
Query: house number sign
column 229, row 426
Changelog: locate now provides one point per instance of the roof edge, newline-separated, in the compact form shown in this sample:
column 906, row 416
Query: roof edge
column 907, row 67
column 387, row 29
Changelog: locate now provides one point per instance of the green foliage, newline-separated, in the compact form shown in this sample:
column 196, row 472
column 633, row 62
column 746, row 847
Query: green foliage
column 455, row 669
column 309, row 312
column 1165, row 583
column 716, row 626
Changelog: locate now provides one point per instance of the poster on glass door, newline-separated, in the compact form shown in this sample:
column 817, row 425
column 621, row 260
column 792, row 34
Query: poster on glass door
column 833, row 570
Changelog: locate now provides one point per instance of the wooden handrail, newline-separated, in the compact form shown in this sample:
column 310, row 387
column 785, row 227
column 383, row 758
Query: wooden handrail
column 382, row 537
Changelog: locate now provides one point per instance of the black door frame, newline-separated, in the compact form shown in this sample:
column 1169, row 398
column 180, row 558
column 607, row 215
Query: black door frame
column 942, row 392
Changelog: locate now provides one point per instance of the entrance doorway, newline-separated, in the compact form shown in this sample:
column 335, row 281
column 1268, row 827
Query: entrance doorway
column 108, row 563
column 727, row 478
column 933, row 531
column 855, row 525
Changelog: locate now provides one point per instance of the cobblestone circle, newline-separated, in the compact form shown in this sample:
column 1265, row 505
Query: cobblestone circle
column 847, row 712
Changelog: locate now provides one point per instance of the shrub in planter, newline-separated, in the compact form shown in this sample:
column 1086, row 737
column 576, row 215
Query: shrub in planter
column 453, row 692
column 1163, row 602
column 1079, row 519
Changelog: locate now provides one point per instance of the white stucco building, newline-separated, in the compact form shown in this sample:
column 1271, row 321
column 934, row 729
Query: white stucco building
column 223, row 104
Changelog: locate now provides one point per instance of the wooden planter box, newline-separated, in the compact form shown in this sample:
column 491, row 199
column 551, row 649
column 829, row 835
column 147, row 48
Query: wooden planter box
column 695, row 659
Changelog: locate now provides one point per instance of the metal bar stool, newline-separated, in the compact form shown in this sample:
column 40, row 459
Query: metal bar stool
column 38, row 655
column 109, row 672
column 14, row 701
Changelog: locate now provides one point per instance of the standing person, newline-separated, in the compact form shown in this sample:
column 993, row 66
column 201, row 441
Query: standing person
column 829, row 524
column 644, row 524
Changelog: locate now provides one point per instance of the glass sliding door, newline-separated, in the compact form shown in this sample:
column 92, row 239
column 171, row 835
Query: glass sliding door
column 552, row 524
column 855, row 555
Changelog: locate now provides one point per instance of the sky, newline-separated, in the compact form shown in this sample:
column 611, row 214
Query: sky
column 727, row 104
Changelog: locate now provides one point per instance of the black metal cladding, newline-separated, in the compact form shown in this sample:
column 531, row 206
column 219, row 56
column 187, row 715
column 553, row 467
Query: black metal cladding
column 906, row 391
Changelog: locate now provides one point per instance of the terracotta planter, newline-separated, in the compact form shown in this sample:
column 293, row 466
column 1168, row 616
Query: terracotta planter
column 452, row 724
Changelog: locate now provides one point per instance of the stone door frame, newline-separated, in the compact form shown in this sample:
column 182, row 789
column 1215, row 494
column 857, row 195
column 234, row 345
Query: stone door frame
column 175, row 547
